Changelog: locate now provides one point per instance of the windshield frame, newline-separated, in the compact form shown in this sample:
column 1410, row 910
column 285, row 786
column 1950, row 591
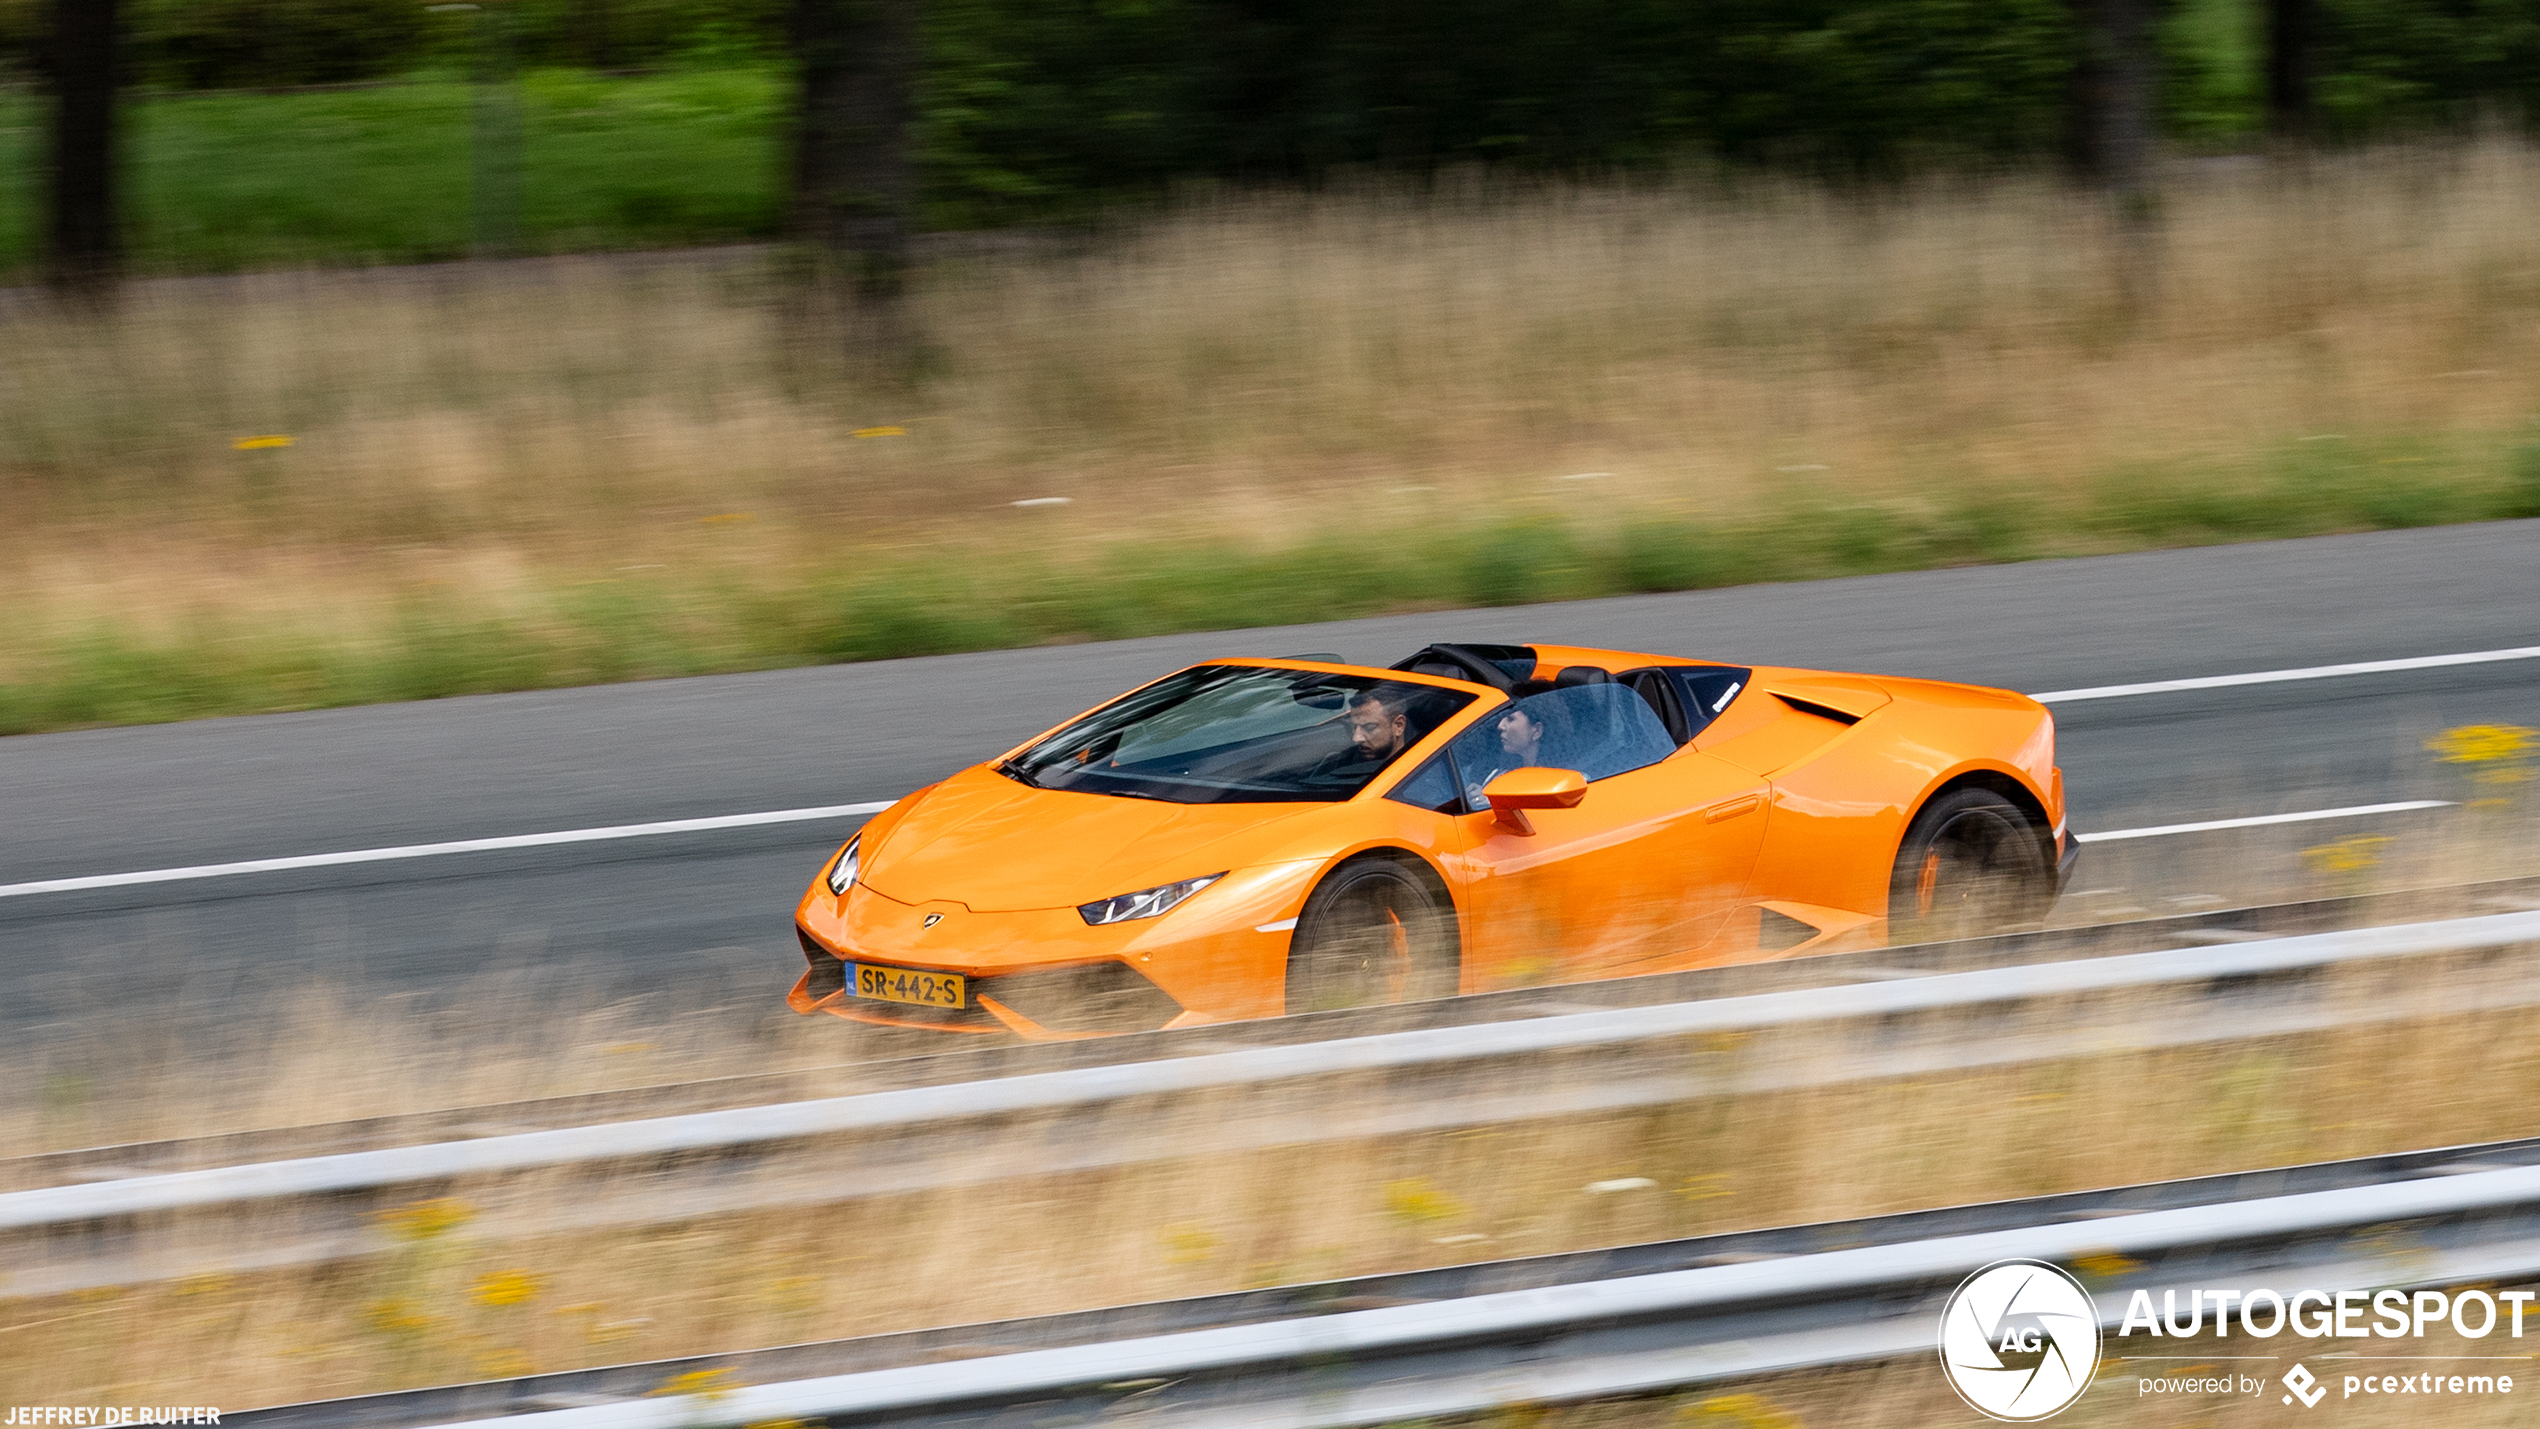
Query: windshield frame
column 1476, row 697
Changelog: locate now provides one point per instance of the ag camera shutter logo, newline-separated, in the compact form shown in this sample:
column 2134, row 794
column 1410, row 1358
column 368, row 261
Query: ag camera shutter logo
column 2019, row 1340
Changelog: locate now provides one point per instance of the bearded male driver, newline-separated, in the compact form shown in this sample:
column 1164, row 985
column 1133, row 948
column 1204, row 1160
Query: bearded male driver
column 1378, row 729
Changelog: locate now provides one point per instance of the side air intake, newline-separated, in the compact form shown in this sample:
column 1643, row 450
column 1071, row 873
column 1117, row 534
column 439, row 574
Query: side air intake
column 1811, row 707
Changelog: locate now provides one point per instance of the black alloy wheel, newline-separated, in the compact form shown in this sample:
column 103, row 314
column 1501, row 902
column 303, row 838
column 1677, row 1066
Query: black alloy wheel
column 1972, row 864
column 1374, row 931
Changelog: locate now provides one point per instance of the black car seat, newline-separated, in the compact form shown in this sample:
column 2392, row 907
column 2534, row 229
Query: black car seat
column 1660, row 692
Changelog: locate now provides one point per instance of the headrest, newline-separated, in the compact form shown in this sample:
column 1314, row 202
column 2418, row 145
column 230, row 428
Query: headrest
column 1482, row 664
column 1582, row 675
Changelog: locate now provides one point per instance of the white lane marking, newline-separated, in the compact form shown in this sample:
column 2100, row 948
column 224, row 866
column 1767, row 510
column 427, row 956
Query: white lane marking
column 382, row 855
column 2271, row 677
column 2356, row 812
column 1282, row 926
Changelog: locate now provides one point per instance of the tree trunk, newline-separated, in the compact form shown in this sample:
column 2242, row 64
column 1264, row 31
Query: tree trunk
column 2290, row 24
column 494, row 135
column 2116, row 87
column 853, row 179
column 84, row 228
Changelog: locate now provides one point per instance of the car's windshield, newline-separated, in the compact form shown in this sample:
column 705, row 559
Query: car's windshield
column 1228, row 734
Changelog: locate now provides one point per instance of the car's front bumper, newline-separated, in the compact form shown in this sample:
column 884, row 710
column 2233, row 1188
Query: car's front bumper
column 1042, row 1003
column 2067, row 854
column 1046, row 972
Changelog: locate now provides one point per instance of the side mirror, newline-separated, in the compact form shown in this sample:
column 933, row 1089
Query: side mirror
column 1513, row 793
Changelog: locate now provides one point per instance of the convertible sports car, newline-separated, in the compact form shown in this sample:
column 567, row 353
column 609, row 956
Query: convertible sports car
column 1251, row 837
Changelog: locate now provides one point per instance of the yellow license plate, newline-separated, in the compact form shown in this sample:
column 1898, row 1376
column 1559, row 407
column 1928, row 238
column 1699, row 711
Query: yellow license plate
column 901, row 985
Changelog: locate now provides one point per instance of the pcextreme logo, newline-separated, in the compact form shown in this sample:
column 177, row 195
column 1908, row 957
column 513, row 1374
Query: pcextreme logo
column 2019, row 1340
column 2305, row 1385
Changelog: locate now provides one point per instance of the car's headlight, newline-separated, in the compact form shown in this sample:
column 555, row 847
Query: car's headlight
column 1145, row 903
column 842, row 874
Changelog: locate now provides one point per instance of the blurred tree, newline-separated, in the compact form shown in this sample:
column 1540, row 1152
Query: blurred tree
column 2115, row 88
column 85, row 228
column 853, row 170
column 2114, row 85
column 1035, row 106
column 209, row 44
column 494, row 130
column 2290, row 24
column 1042, row 111
column 2388, row 65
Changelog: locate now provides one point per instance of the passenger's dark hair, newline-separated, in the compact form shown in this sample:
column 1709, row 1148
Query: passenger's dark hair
column 1550, row 716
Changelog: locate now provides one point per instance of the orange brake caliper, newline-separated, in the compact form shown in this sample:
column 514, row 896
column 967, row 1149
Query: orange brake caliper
column 1928, row 884
column 1401, row 953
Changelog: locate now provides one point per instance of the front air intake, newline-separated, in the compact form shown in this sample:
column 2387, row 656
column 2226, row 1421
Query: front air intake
column 828, row 975
column 1094, row 997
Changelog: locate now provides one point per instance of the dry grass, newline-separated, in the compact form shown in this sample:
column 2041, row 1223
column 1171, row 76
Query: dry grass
column 2237, row 868
column 1253, row 374
column 454, row 1304
column 322, row 1055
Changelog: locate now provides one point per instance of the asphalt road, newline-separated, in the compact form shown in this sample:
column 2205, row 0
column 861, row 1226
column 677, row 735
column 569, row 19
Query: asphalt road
column 704, row 916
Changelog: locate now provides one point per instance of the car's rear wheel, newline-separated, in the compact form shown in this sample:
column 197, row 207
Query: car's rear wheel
column 1374, row 931
column 1973, row 863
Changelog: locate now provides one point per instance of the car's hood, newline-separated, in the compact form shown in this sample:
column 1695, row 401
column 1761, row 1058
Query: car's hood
column 995, row 846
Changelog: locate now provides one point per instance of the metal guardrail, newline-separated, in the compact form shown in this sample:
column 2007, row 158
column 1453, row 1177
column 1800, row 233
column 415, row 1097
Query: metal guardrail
column 839, row 1150
column 1386, row 1052
column 1592, row 1325
column 975, row 1063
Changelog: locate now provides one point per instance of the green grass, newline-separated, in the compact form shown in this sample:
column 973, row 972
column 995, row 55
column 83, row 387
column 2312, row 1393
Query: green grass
column 21, row 151
column 944, row 600
column 231, row 180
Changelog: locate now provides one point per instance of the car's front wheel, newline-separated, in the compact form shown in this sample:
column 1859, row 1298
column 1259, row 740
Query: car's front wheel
column 1374, row 931
column 1972, row 864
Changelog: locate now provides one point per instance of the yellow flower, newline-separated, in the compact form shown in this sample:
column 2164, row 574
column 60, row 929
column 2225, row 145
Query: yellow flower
column 396, row 1317
column 1417, row 1200
column 1743, row 1411
column 2346, row 855
column 703, row 1383
column 426, row 1220
column 505, row 1287
column 1188, row 1244
column 2484, row 743
column 2105, row 1265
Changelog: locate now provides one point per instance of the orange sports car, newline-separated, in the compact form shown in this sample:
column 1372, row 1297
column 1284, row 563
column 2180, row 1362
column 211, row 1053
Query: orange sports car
column 1246, row 838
